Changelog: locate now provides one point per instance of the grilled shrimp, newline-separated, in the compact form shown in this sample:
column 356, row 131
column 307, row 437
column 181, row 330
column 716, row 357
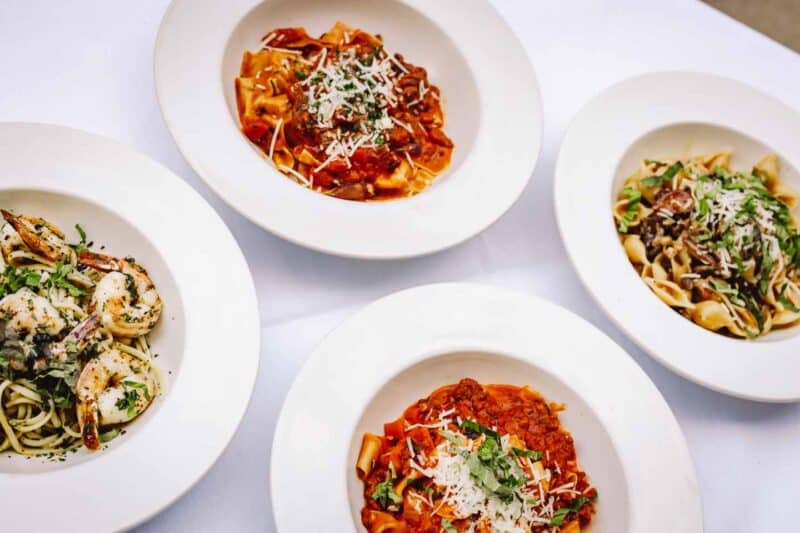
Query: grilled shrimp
column 75, row 341
column 39, row 235
column 27, row 313
column 113, row 388
column 27, row 320
column 125, row 299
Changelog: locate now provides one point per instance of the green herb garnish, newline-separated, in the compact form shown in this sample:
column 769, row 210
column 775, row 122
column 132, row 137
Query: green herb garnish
column 634, row 197
column 532, row 455
column 59, row 279
column 561, row 514
column 668, row 175
column 384, row 494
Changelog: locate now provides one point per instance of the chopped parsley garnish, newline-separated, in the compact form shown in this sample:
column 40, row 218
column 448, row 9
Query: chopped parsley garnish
column 59, row 279
column 448, row 526
column 13, row 279
column 131, row 396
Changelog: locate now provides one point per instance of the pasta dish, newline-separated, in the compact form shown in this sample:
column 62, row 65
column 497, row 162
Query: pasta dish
column 341, row 115
column 473, row 458
column 720, row 247
column 75, row 363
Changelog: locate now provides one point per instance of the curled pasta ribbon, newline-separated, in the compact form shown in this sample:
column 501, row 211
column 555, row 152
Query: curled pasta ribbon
column 670, row 293
column 380, row 522
column 786, row 313
column 635, row 249
column 714, row 315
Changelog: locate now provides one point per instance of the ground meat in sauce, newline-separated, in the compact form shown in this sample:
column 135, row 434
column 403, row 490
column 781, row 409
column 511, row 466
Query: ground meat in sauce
column 508, row 409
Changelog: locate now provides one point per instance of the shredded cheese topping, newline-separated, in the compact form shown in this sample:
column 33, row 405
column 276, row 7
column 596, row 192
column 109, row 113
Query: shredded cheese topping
column 449, row 468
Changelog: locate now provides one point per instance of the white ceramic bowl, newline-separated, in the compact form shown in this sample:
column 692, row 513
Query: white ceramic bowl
column 404, row 346
column 496, row 125
column 207, row 339
column 672, row 114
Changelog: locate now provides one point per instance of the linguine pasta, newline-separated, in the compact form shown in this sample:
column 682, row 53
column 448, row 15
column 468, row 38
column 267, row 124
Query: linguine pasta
column 721, row 247
column 66, row 378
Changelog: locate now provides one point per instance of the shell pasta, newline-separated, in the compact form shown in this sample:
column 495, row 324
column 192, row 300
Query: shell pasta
column 720, row 247
column 474, row 458
column 342, row 116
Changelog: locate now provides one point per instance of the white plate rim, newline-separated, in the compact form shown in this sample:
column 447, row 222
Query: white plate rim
column 356, row 220
column 144, row 464
column 687, row 349
column 645, row 407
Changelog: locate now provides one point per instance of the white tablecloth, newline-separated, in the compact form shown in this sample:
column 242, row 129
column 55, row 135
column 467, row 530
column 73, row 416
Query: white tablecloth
column 89, row 65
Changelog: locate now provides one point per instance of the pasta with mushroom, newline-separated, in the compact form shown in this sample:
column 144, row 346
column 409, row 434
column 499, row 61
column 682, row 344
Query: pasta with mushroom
column 721, row 247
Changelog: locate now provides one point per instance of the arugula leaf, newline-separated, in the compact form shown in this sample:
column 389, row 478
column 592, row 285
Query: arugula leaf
column 657, row 180
column 384, row 494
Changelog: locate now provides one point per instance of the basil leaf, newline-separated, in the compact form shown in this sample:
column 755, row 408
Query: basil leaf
column 668, row 175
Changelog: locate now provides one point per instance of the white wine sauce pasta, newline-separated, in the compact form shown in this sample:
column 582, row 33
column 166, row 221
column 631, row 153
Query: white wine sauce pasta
column 75, row 362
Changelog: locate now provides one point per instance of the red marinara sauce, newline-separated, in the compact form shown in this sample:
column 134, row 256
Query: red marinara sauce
column 529, row 420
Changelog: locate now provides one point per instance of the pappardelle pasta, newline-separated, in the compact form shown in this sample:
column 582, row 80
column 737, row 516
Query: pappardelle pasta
column 75, row 362
column 720, row 247
column 473, row 458
column 341, row 115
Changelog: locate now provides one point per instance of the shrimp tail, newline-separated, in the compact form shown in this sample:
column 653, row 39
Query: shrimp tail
column 75, row 341
column 101, row 262
column 89, row 422
column 30, row 238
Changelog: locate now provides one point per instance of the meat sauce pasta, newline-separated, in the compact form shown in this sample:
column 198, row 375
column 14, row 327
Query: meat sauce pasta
column 341, row 115
column 473, row 458
column 720, row 247
column 75, row 362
